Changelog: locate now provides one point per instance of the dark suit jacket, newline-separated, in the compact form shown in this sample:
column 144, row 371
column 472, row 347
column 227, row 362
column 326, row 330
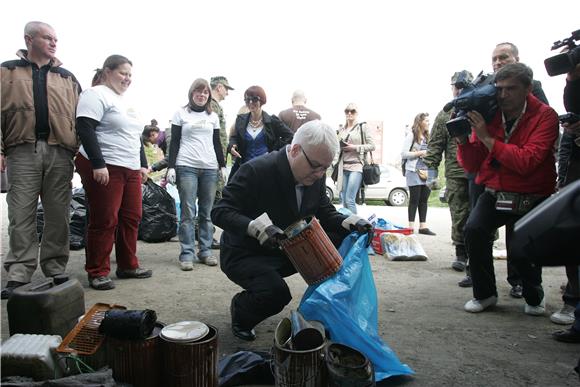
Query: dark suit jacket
column 266, row 184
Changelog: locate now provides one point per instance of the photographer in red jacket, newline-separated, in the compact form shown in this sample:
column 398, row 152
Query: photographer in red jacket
column 513, row 157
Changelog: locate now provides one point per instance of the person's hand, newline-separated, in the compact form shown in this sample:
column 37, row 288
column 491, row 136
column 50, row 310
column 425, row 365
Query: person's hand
column 478, row 124
column 170, row 176
column 234, row 151
column 360, row 225
column 144, row 175
column 101, row 175
column 265, row 231
column 421, row 153
column 2, row 163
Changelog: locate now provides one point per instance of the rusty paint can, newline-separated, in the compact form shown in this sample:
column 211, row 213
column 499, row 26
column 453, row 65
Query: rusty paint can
column 311, row 251
column 192, row 361
column 137, row 362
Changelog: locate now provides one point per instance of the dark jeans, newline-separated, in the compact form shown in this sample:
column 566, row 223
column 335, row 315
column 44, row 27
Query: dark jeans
column 479, row 231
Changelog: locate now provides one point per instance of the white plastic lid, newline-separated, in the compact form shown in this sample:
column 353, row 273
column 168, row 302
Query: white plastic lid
column 185, row 331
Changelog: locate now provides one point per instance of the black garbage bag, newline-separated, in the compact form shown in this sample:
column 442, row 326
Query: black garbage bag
column 78, row 219
column 128, row 324
column 159, row 220
column 244, row 368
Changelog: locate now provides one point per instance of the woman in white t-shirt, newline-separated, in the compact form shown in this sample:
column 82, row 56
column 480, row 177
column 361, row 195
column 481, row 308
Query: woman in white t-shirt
column 112, row 165
column 195, row 162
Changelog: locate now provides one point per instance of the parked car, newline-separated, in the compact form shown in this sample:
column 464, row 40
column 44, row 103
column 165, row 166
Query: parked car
column 392, row 188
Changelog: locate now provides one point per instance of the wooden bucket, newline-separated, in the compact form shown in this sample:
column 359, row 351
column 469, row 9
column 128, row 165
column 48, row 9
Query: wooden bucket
column 311, row 251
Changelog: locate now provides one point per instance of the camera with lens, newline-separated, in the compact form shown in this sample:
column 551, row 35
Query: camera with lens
column 566, row 61
column 479, row 95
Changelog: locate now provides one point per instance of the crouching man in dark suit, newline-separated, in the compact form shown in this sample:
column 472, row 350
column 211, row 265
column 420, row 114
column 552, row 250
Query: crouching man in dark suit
column 264, row 197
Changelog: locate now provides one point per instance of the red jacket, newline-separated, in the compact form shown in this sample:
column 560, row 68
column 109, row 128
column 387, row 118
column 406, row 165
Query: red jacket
column 526, row 161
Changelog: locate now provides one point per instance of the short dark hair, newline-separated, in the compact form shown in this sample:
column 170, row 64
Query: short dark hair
column 256, row 91
column 519, row 71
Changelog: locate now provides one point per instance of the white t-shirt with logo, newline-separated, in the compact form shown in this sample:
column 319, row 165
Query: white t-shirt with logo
column 119, row 129
column 196, row 148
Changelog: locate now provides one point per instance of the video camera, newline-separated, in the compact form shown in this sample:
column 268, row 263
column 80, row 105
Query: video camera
column 479, row 95
column 566, row 61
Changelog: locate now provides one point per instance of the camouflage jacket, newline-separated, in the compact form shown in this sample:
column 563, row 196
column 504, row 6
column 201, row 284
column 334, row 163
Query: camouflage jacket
column 440, row 142
column 224, row 138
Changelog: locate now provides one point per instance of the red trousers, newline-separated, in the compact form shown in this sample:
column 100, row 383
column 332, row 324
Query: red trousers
column 114, row 216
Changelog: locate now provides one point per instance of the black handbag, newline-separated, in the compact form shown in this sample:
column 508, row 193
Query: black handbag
column 371, row 171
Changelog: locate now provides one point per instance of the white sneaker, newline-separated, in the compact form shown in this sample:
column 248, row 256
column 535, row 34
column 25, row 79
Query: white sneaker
column 209, row 261
column 564, row 316
column 186, row 265
column 538, row 310
column 476, row 306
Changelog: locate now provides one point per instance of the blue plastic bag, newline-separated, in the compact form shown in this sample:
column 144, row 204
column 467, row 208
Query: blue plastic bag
column 346, row 304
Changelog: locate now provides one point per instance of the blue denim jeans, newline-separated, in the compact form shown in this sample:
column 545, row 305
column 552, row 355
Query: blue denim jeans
column 350, row 185
column 195, row 184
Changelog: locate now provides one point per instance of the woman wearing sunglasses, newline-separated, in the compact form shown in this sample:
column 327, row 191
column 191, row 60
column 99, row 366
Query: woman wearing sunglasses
column 355, row 141
column 256, row 133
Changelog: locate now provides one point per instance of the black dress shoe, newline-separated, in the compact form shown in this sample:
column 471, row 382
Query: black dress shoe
column 568, row 336
column 244, row 334
column 237, row 329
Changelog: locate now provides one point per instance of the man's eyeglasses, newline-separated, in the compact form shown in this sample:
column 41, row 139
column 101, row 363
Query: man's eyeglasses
column 255, row 99
column 314, row 167
column 349, row 111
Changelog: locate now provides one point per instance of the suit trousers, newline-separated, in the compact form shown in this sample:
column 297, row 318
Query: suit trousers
column 265, row 291
column 479, row 229
column 114, row 216
column 33, row 171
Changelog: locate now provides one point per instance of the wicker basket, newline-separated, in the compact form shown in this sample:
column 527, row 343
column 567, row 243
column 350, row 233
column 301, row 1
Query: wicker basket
column 84, row 338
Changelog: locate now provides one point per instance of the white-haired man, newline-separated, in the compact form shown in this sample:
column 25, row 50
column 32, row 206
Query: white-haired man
column 265, row 196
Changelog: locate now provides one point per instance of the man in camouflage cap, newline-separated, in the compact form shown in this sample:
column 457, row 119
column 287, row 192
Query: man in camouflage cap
column 457, row 186
column 220, row 88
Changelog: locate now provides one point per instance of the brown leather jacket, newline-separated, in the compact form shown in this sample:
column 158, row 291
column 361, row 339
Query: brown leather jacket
column 18, row 116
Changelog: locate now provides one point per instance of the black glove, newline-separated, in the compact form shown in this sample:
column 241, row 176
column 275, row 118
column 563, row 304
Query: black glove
column 265, row 231
column 360, row 225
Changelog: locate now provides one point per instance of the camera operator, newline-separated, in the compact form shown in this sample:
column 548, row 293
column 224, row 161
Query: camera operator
column 513, row 158
column 503, row 54
column 568, row 172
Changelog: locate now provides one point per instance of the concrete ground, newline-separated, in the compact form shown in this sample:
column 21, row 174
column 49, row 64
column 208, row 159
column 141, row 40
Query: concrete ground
column 420, row 309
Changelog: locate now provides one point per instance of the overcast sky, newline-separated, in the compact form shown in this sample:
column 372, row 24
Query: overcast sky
column 393, row 60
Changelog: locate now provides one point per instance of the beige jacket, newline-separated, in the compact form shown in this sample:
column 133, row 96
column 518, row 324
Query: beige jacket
column 18, row 114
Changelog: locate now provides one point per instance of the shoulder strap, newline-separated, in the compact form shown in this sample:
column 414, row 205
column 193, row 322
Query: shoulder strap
column 362, row 140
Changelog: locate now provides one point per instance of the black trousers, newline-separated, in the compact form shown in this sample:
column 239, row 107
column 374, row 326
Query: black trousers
column 479, row 230
column 418, row 199
column 265, row 291
column 475, row 190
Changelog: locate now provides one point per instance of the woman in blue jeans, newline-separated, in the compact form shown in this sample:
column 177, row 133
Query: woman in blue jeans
column 195, row 161
column 355, row 141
